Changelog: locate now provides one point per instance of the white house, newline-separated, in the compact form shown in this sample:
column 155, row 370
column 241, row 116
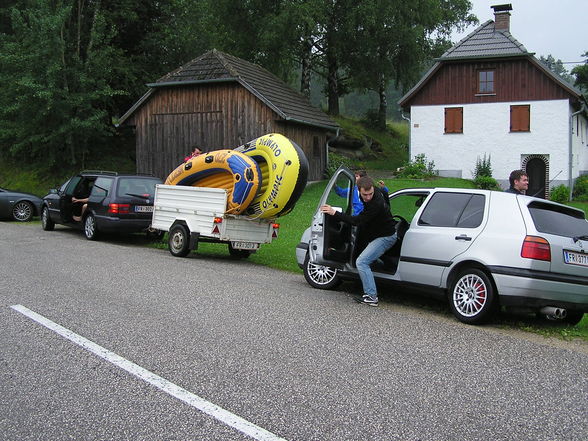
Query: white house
column 488, row 95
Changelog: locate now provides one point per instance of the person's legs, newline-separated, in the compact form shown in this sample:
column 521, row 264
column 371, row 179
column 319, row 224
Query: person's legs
column 373, row 251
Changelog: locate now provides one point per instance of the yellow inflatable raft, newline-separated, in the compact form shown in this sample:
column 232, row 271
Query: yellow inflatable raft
column 284, row 173
column 237, row 173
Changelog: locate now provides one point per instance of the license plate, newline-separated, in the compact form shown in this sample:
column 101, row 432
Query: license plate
column 144, row 208
column 575, row 258
column 245, row 245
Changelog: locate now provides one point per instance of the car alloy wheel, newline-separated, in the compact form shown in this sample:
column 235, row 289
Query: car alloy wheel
column 90, row 229
column 320, row 276
column 471, row 296
column 46, row 221
column 22, row 211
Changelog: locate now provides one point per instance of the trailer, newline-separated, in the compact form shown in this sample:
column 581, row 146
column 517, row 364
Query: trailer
column 197, row 214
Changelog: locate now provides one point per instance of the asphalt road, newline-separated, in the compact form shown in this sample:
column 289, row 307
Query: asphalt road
column 271, row 352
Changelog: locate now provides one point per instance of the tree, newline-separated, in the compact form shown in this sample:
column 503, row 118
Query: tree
column 557, row 67
column 56, row 67
column 391, row 40
column 581, row 73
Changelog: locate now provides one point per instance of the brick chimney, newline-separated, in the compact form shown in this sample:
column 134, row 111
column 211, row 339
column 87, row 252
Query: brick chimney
column 502, row 17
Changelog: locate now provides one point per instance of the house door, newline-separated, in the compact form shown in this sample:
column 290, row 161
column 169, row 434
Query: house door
column 536, row 168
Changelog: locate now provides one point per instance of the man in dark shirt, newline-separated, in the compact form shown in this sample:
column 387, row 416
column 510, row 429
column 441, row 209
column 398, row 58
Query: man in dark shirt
column 376, row 227
column 519, row 182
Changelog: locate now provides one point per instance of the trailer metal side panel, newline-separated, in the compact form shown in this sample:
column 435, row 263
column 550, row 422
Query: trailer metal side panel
column 197, row 206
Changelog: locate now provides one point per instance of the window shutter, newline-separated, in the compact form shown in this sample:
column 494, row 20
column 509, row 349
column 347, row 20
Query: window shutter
column 454, row 120
column 520, row 118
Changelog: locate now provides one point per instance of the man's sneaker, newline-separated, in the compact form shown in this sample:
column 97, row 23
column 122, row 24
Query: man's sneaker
column 369, row 301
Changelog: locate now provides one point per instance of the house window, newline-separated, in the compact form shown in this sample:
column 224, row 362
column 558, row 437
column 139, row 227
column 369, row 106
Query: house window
column 486, row 81
column 520, row 118
column 454, row 120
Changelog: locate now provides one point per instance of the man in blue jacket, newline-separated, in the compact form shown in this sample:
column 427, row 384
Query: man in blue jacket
column 355, row 200
column 376, row 227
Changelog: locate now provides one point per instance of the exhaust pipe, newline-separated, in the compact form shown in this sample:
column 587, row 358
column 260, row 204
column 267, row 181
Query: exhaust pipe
column 554, row 312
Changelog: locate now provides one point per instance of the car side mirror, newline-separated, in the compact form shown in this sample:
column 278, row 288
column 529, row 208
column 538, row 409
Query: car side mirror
column 53, row 191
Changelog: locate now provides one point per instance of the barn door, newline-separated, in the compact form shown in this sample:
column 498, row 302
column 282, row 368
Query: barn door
column 172, row 137
column 535, row 169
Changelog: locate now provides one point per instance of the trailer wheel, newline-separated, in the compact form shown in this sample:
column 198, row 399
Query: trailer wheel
column 179, row 241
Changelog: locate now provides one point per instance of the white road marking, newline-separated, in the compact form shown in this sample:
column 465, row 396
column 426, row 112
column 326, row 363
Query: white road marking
column 226, row 417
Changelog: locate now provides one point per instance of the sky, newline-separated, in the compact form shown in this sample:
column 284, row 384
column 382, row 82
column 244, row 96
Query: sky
column 545, row 27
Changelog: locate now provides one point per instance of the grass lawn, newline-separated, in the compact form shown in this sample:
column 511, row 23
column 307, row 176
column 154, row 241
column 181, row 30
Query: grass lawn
column 281, row 254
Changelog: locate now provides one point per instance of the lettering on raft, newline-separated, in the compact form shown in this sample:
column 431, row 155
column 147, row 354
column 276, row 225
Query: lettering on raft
column 273, row 193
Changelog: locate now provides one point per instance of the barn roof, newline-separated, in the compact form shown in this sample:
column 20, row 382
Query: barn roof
column 215, row 66
column 487, row 42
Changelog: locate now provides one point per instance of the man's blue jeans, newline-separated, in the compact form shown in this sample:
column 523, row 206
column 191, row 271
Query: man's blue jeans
column 371, row 253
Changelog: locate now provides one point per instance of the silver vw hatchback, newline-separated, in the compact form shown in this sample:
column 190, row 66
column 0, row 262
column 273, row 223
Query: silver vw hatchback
column 479, row 249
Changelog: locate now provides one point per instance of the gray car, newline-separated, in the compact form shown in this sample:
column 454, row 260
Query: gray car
column 479, row 249
column 19, row 206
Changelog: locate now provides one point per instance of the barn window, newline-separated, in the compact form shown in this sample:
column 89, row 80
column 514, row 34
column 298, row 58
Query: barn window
column 520, row 118
column 454, row 120
column 316, row 150
column 486, row 81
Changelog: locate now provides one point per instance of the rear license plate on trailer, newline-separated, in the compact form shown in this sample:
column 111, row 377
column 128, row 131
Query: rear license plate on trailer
column 245, row 245
column 575, row 258
column 144, row 208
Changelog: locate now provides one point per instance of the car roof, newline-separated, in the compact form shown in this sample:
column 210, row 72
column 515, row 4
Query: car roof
column 115, row 174
column 526, row 199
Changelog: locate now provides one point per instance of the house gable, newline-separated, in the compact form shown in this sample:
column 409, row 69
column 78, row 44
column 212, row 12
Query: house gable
column 515, row 79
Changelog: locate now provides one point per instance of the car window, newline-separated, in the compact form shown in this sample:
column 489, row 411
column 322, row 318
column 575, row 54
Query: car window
column 464, row 210
column 339, row 196
column 136, row 186
column 102, row 187
column 406, row 205
column 473, row 214
column 69, row 186
column 561, row 221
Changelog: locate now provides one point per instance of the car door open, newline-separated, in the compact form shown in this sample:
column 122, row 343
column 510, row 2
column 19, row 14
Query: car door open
column 331, row 241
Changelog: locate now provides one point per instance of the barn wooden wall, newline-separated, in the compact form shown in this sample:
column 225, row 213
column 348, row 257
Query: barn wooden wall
column 514, row 80
column 212, row 116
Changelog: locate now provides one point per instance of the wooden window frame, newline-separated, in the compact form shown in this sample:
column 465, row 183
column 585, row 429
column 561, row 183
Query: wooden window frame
column 485, row 82
column 520, row 118
column 453, row 120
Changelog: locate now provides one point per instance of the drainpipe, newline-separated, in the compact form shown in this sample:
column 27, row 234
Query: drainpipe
column 570, row 162
column 409, row 130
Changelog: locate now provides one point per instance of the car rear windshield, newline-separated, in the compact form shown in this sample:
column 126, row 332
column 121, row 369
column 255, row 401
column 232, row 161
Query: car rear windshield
column 137, row 187
column 561, row 221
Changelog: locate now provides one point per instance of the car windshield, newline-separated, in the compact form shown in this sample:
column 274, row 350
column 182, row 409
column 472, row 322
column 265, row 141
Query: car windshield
column 561, row 221
column 138, row 187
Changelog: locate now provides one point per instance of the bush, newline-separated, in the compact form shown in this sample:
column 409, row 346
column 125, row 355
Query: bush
column 418, row 169
column 581, row 189
column 486, row 183
column 560, row 194
column 483, row 168
column 336, row 161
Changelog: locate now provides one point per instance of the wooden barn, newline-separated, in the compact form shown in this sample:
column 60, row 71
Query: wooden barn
column 218, row 101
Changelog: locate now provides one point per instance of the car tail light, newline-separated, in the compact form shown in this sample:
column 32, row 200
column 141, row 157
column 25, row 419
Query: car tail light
column 118, row 208
column 536, row 248
column 275, row 227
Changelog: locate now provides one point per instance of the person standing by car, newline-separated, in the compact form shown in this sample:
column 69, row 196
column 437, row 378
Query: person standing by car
column 519, row 182
column 377, row 229
column 356, row 201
